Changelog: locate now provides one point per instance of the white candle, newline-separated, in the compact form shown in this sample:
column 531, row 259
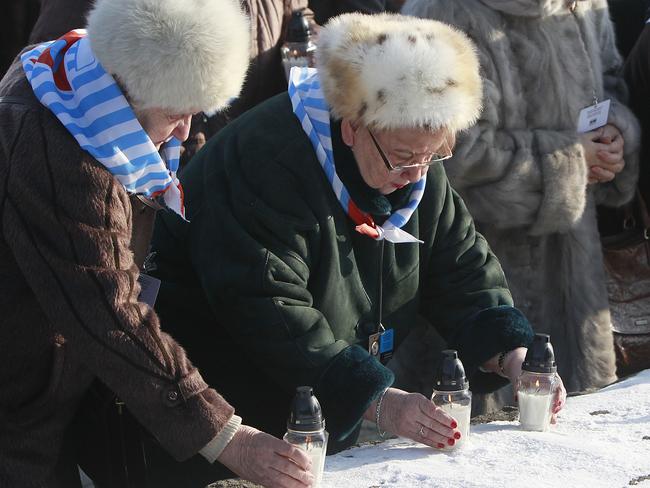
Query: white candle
column 534, row 411
column 461, row 414
column 316, row 452
column 317, row 455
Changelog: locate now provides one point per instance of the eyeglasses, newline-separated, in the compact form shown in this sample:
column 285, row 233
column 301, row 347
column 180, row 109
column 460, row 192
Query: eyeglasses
column 435, row 158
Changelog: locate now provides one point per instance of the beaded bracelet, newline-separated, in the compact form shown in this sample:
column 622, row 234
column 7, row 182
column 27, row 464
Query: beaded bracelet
column 378, row 411
column 502, row 357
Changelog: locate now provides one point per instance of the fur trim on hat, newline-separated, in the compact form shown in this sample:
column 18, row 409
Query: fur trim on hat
column 394, row 71
column 180, row 55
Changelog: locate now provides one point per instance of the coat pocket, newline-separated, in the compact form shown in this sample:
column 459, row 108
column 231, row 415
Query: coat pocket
column 46, row 401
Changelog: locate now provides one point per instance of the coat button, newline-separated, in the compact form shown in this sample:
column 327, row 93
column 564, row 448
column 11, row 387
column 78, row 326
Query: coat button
column 172, row 397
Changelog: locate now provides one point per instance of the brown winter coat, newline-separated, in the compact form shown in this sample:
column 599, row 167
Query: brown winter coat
column 68, row 305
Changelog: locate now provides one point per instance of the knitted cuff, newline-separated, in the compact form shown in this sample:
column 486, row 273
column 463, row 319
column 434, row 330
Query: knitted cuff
column 213, row 449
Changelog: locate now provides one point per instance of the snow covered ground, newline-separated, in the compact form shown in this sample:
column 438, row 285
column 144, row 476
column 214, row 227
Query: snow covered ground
column 601, row 440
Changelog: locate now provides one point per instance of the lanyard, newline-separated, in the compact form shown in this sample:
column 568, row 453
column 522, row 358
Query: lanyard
column 380, row 286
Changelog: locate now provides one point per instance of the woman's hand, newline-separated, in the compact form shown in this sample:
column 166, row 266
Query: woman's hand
column 604, row 153
column 559, row 400
column 414, row 416
column 266, row 460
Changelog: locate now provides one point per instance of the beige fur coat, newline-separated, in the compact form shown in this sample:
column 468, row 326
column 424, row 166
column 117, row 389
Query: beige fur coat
column 522, row 170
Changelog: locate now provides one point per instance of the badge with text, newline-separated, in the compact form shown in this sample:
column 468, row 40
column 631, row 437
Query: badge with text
column 593, row 117
column 380, row 345
column 149, row 287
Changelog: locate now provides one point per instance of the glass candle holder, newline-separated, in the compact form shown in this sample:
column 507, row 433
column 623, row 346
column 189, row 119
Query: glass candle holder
column 306, row 430
column 537, row 384
column 456, row 404
column 535, row 392
column 315, row 445
column 299, row 54
column 299, row 48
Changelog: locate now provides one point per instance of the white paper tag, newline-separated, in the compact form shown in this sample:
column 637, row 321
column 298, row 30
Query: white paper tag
column 593, row 117
column 396, row 235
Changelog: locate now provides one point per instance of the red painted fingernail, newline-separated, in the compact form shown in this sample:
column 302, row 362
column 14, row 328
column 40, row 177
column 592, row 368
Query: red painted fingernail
column 440, row 445
column 451, row 442
column 453, row 424
column 456, row 435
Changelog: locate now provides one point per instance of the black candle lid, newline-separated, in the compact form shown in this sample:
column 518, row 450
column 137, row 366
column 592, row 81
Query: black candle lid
column 540, row 357
column 298, row 29
column 305, row 415
column 450, row 375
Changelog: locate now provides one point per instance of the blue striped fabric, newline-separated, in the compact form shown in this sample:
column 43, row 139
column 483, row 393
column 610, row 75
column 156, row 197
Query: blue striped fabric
column 311, row 109
column 101, row 120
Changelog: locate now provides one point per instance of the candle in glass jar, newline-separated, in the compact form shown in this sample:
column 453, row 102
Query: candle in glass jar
column 315, row 449
column 451, row 393
column 534, row 410
column 461, row 414
column 306, row 430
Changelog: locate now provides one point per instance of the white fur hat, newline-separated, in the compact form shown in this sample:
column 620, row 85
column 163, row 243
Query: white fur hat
column 181, row 55
column 393, row 71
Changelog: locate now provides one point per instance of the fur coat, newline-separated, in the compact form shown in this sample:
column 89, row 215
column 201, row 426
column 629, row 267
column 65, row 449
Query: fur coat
column 522, row 169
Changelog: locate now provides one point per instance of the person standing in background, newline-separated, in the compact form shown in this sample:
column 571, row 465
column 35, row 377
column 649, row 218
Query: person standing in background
column 629, row 17
column 530, row 179
column 637, row 75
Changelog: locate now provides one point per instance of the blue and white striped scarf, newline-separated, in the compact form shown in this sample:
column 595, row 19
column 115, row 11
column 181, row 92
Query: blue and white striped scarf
column 68, row 79
column 310, row 107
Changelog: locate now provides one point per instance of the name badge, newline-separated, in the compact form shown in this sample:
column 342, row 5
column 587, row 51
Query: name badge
column 593, row 117
column 149, row 288
column 380, row 345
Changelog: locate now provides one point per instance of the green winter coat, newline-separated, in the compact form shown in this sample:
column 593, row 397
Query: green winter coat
column 270, row 287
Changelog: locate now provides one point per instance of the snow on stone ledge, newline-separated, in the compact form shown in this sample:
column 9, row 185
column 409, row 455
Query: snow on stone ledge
column 602, row 440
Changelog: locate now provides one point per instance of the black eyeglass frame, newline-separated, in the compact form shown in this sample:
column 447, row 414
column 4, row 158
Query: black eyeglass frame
column 397, row 169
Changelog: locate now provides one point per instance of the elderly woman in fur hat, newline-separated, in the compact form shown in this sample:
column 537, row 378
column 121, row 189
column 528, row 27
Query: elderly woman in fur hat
column 304, row 208
column 531, row 179
column 89, row 138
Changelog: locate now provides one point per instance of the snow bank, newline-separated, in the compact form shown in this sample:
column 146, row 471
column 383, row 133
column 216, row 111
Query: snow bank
column 601, row 440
